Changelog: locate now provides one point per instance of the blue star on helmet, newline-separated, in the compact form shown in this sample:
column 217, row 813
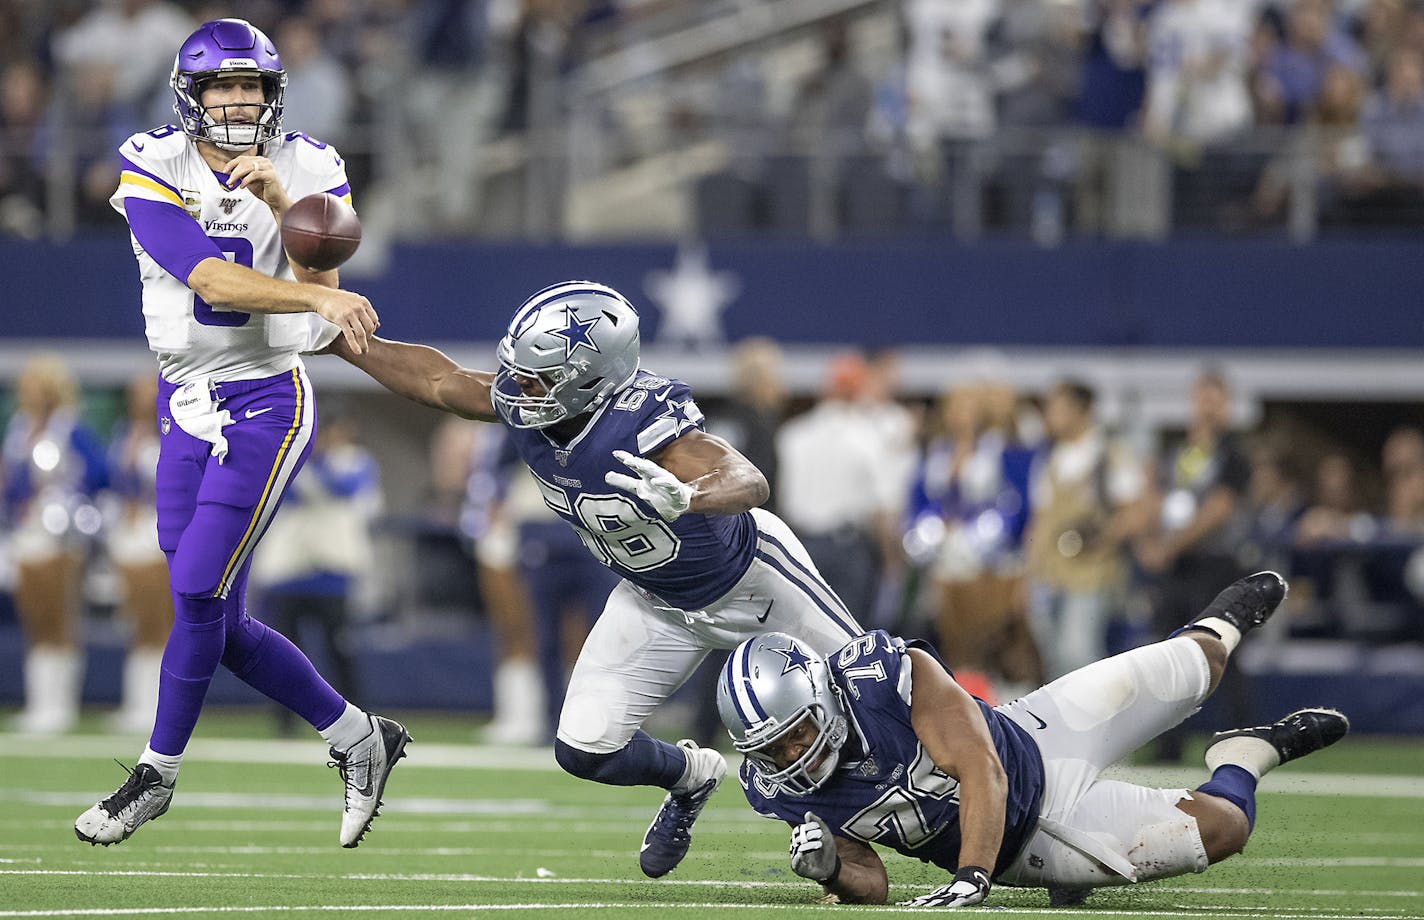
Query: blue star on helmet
column 795, row 659
column 576, row 334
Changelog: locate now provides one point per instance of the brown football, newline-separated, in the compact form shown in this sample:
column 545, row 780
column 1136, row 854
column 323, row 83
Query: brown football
column 320, row 232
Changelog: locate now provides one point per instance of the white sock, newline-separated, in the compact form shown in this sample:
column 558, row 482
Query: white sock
column 1230, row 635
column 1254, row 755
column 166, row 764
column 349, row 729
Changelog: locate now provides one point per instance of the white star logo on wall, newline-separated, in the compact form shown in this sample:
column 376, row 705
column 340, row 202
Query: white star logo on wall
column 691, row 298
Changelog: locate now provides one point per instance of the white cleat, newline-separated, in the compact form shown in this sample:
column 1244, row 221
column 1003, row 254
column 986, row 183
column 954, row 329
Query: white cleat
column 364, row 770
column 141, row 798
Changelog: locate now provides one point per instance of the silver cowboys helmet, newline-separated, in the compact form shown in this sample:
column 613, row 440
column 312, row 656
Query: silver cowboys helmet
column 579, row 339
column 770, row 685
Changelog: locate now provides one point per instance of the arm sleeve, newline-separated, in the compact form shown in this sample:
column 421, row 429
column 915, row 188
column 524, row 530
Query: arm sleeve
column 172, row 238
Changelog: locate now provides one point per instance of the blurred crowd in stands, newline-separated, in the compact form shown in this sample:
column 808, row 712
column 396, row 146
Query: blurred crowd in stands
column 1044, row 117
column 1021, row 532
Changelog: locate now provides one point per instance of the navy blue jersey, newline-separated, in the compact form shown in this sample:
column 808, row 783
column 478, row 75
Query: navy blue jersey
column 688, row 563
column 886, row 789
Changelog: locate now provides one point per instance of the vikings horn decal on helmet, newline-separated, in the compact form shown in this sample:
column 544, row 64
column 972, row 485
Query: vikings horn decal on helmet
column 579, row 340
column 771, row 684
column 218, row 48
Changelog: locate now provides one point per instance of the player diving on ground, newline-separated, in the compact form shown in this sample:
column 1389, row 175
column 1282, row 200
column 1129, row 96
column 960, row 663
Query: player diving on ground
column 877, row 744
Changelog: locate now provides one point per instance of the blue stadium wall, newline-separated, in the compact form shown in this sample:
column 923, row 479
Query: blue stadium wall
column 1345, row 294
column 1192, row 294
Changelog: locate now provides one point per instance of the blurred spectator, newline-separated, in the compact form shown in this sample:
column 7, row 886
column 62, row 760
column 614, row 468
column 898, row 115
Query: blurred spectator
column 1085, row 501
column 493, row 517
column 128, row 45
column 1404, row 503
column 567, row 589
column 54, row 467
column 1276, row 501
column 1038, row 70
column 23, row 100
column 967, row 511
column 1394, row 120
column 132, row 541
column 1114, row 71
column 1403, row 450
column 1198, row 106
column 1197, row 92
column 835, row 487
column 756, row 408
column 1382, row 27
column 1191, row 555
column 320, row 93
column 1291, row 78
column 1110, row 105
column 1330, row 146
column 950, row 86
column 308, row 566
column 1338, row 510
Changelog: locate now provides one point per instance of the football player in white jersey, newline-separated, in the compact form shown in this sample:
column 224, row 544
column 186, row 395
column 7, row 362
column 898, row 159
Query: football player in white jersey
column 228, row 317
column 620, row 454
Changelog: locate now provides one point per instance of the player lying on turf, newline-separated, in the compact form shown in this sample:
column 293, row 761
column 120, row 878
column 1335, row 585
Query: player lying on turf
column 877, row 744
column 619, row 453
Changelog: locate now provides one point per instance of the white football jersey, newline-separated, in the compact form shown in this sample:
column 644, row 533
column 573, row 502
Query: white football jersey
column 191, row 338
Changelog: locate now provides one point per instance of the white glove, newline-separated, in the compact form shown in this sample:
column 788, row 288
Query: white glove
column 669, row 496
column 970, row 886
column 813, row 851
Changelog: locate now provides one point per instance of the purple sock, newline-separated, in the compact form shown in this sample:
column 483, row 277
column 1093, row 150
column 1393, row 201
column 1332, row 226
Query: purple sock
column 267, row 661
column 190, row 658
column 1237, row 786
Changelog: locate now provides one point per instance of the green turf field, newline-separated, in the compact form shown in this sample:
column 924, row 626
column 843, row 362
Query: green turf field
column 471, row 831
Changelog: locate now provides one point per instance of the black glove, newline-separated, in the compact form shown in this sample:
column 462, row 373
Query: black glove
column 970, row 886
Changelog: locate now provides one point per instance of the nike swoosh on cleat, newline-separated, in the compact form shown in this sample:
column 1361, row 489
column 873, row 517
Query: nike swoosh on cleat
column 767, row 612
column 253, row 413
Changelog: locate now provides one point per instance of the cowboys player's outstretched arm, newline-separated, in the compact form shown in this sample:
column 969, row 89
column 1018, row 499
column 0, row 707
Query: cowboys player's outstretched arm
column 951, row 728
column 722, row 480
column 425, row 375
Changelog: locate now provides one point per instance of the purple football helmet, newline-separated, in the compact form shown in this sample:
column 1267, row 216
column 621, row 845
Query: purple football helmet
column 218, row 48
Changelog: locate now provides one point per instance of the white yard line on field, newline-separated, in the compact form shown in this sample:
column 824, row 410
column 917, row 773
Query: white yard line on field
column 682, row 883
column 656, row 905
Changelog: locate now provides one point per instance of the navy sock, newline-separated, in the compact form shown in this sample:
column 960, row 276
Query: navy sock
column 645, row 761
column 1237, row 786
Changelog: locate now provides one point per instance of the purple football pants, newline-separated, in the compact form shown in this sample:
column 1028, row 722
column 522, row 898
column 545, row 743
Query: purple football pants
column 210, row 516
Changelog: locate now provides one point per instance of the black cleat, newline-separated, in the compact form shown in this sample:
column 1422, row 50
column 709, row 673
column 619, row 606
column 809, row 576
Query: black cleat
column 1248, row 602
column 1304, row 731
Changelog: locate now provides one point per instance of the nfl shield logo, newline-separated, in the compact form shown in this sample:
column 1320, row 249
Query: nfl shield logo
column 165, row 424
column 562, row 456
